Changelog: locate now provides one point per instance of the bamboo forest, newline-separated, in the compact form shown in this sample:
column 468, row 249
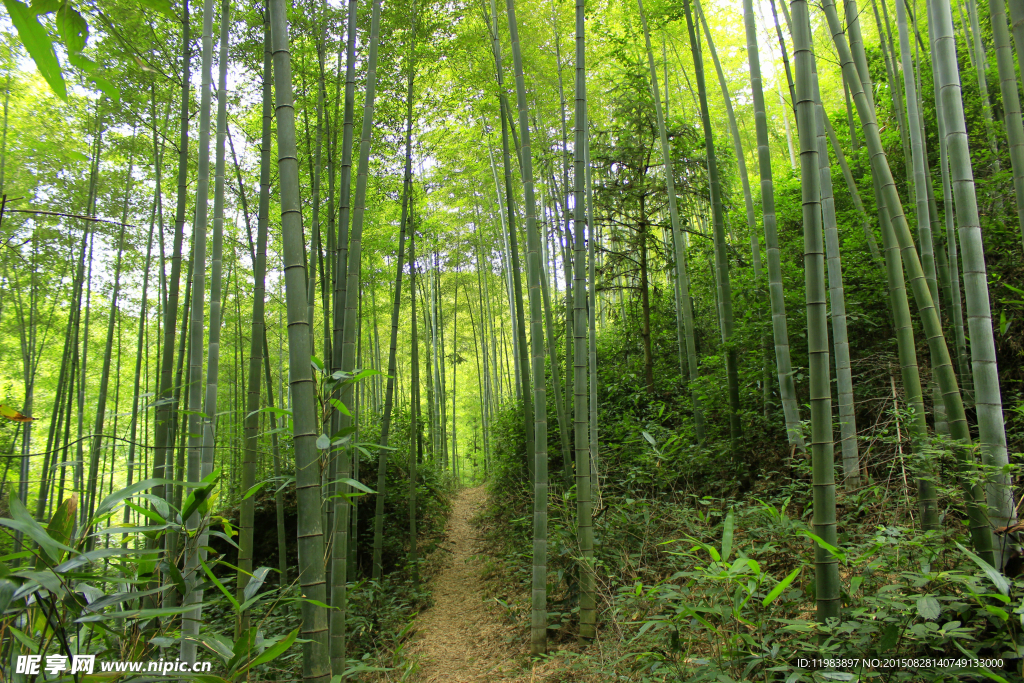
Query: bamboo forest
column 533, row 340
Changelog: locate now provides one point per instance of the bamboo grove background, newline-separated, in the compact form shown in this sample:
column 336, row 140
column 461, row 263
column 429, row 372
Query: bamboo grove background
column 305, row 269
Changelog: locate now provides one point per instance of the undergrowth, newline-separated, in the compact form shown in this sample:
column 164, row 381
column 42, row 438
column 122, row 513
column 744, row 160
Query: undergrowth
column 705, row 557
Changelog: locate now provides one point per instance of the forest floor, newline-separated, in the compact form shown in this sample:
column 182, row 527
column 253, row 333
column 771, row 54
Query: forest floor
column 463, row 637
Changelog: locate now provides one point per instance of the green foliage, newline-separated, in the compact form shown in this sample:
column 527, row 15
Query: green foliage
column 105, row 602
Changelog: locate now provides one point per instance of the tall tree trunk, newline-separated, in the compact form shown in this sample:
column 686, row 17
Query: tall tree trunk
column 162, row 425
column 837, row 302
column 721, row 255
column 190, row 620
column 941, row 364
column 339, row 562
column 991, row 431
column 824, row 522
column 257, row 339
column 513, row 249
column 382, row 462
column 101, row 400
column 539, row 626
column 316, row 665
column 780, row 331
column 581, row 414
column 1011, row 100
column 414, row 406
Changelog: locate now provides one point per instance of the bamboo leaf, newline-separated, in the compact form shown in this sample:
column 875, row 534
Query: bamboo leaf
column 340, row 407
column 258, row 577
column 24, row 523
column 13, row 415
column 113, row 499
column 36, row 40
column 146, row 513
column 99, row 554
column 137, row 614
column 355, row 484
column 834, row 551
column 128, row 529
column 253, row 490
column 162, row 6
column 24, row 640
column 272, row 652
column 216, row 644
column 780, row 587
column 219, row 585
column 997, row 579
column 61, row 525
column 243, row 646
column 7, row 590
column 179, row 581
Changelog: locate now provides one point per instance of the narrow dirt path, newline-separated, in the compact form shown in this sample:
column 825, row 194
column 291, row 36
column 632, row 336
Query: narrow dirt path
column 461, row 639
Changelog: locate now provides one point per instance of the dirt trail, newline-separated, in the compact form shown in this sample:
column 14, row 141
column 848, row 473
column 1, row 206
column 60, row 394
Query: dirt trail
column 461, row 638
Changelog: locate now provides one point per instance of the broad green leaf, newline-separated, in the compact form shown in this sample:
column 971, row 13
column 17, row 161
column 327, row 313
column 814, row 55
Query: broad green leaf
column 997, row 579
column 162, row 6
column 218, row 584
column 832, row 550
column 13, row 415
column 16, row 556
column 7, row 590
column 249, row 603
column 149, row 514
column 928, row 607
column 368, row 372
column 355, row 484
column 24, row 640
column 343, row 432
column 213, row 476
column 99, row 554
column 780, row 587
column 61, row 525
column 194, row 500
column 138, row 613
column 102, row 84
column 47, row 579
column 272, row 652
column 243, row 646
column 272, row 409
column 111, row 501
column 258, row 577
column 179, row 582
column 24, row 523
column 217, row 645
column 323, row 442
column 45, row 6
column 221, row 534
column 340, row 407
column 253, row 490
column 71, row 28
column 100, row 603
